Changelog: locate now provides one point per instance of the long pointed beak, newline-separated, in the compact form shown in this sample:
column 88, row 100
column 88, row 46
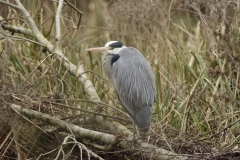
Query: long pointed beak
column 98, row 49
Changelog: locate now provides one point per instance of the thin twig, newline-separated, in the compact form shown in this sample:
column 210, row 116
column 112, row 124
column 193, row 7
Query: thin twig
column 34, row 71
column 84, row 110
column 70, row 4
column 224, row 129
column 80, row 12
column 96, row 103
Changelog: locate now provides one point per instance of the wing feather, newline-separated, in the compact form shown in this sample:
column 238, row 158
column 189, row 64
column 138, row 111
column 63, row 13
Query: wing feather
column 134, row 83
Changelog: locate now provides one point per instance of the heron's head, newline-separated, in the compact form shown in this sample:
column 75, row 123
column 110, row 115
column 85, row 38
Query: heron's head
column 112, row 47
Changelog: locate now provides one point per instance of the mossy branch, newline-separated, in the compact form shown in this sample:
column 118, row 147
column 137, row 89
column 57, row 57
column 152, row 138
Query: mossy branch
column 113, row 142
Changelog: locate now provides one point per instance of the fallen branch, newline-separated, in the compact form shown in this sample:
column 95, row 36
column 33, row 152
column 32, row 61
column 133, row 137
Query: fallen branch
column 112, row 141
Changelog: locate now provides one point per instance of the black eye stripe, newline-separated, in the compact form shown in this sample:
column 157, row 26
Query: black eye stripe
column 114, row 58
column 116, row 45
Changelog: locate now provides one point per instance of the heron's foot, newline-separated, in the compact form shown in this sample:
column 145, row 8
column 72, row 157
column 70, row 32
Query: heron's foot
column 139, row 139
column 134, row 139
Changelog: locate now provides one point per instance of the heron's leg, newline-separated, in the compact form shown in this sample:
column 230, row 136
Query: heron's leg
column 137, row 132
column 134, row 131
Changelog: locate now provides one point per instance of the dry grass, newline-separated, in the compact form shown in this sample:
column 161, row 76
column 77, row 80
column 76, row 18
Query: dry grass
column 193, row 49
column 192, row 46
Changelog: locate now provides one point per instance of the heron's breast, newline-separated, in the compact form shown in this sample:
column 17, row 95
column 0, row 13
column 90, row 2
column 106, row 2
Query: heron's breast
column 108, row 62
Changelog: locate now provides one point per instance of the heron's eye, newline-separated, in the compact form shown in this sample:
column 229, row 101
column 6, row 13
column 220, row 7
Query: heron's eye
column 111, row 48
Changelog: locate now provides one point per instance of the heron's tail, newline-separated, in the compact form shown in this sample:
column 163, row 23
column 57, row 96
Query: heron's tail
column 143, row 118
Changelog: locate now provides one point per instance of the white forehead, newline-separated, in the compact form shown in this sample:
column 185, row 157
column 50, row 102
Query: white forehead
column 111, row 42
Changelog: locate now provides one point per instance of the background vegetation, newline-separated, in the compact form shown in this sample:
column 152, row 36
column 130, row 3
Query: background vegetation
column 194, row 50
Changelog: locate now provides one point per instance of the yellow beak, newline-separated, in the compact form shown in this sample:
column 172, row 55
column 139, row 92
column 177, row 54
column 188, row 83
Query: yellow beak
column 98, row 49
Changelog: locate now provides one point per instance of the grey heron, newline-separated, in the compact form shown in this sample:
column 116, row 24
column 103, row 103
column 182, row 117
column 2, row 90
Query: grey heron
column 132, row 77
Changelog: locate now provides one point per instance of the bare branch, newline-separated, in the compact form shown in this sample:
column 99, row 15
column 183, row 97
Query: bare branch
column 29, row 19
column 58, row 25
column 76, row 130
column 79, row 71
column 29, row 121
column 150, row 151
column 17, row 29
column 10, row 4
